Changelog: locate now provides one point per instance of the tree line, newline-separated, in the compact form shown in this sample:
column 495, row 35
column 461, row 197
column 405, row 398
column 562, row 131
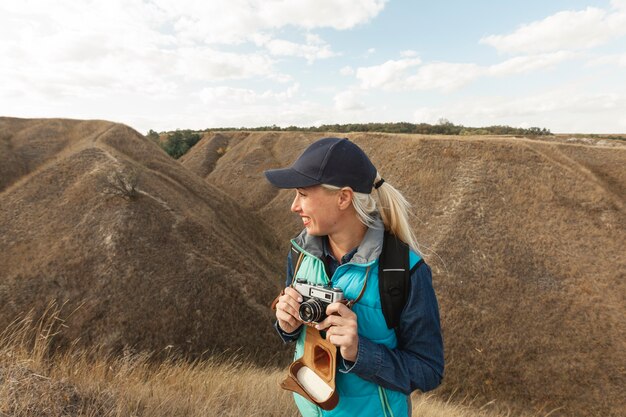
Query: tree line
column 443, row 127
column 178, row 142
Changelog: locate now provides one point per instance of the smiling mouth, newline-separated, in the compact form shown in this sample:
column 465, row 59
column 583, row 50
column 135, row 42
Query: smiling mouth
column 306, row 220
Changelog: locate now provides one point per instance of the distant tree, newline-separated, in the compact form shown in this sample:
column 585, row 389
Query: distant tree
column 179, row 142
column 153, row 136
column 175, row 145
column 191, row 137
column 121, row 181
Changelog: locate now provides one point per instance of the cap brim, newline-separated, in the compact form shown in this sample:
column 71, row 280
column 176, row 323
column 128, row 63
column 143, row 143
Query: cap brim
column 289, row 178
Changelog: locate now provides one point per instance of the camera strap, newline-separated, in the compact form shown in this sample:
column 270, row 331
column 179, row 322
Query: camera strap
column 282, row 292
column 295, row 270
column 350, row 303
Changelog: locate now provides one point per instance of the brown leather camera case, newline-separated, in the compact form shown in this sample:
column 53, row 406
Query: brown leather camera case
column 320, row 356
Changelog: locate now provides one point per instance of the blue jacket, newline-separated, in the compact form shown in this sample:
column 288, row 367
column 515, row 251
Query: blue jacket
column 414, row 359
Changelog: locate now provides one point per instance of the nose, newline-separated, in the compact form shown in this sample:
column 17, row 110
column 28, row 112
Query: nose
column 295, row 206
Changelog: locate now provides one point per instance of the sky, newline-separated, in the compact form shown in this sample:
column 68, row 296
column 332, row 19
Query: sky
column 198, row 64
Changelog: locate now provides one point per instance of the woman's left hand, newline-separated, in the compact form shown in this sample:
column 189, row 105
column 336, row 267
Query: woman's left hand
column 341, row 330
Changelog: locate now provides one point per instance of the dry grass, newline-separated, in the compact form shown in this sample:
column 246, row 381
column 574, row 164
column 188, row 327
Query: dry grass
column 36, row 380
column 153, row 268
column 526, row 240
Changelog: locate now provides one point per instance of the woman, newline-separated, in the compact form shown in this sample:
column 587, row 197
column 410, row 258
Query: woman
column 341, row 243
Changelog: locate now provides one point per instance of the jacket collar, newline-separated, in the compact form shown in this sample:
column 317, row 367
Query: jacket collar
column 368, row 251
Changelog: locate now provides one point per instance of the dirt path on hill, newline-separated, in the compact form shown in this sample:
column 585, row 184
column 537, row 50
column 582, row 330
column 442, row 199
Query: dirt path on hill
column 555, row 155
column 72, row 148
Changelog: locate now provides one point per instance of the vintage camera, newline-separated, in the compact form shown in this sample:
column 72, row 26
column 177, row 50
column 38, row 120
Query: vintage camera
column 315, row 300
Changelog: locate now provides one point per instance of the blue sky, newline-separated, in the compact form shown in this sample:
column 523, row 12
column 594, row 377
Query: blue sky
column 167, row 64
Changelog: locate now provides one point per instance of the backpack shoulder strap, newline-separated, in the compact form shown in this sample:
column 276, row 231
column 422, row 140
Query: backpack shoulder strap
column 393, row 278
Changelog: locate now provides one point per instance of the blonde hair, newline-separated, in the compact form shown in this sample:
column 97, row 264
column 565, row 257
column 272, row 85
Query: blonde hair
column 392, row 206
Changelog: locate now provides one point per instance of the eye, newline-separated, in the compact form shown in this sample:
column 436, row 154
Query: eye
column 301, row 194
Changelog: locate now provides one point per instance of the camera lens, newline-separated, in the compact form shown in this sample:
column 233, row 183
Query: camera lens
column 312, row 311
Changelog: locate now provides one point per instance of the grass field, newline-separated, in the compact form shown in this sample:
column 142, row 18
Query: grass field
column 525, row 237
column 36, row 381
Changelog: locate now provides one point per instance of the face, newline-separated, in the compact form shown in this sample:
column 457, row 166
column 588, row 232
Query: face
column 319, row 210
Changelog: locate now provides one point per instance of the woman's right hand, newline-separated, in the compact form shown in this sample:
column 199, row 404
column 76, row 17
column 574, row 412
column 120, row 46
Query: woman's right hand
column 287, row 310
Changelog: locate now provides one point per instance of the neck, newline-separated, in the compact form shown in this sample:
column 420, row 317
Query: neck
column 346, row 239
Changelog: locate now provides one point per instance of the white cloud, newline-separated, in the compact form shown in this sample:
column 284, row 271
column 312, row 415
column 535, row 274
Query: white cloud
column 528, row 63
column 347, row 70
column 187, row 63
column 224, row 95
column 572, row 30
column 236, row 20
column 348, row 101
column 64, row 48
column 207, row 64
column 314, row 49
column 561, row 110
column 409, row 74
column 293, row 112
column 315, row 13
column 612, row 59
column 443, row 76
column 619, row 4
column 395, row 75
column 313, row 39
column 53, row 51
column 389, row 75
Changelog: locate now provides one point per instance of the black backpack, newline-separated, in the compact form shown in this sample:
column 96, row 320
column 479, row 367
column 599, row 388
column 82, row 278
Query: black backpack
column 394, row 277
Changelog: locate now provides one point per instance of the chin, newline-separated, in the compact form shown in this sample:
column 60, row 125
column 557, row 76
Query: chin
column 313, row 232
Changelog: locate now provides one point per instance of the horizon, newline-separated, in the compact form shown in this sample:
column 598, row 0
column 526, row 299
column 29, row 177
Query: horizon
column 167, row 65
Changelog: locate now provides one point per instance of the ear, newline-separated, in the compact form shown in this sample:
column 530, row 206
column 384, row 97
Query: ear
column 344, row 198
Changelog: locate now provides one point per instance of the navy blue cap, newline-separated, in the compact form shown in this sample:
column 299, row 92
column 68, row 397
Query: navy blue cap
column 331, row 161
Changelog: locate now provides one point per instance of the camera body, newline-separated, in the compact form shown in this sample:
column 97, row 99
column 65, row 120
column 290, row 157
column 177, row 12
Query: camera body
column 315, row 299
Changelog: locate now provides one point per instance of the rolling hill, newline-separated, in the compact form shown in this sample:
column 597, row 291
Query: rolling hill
column 151, row 257
column 526, row 238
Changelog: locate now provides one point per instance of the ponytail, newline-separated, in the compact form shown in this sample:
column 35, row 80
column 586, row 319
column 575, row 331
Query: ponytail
column 392, row 206
column 394, row 210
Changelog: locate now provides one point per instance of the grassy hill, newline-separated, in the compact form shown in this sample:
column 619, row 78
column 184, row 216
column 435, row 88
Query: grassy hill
column 156, row 257
column 152, row 257
column 34, row 383
column 526, row 239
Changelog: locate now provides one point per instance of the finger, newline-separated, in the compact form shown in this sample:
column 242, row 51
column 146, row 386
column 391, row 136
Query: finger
column 292, row 298
column 322, row 325
column 285, row 317
column 340, row 309
column 340, row 340
column 329, row 321
column 291, row 292
column 334, row 321
column 288, row 308
column 288, row 303
column 349, row 332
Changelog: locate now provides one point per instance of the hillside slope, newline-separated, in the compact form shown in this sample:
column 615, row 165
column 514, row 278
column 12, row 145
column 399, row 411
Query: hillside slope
column 179, row 266
column 526, row 239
